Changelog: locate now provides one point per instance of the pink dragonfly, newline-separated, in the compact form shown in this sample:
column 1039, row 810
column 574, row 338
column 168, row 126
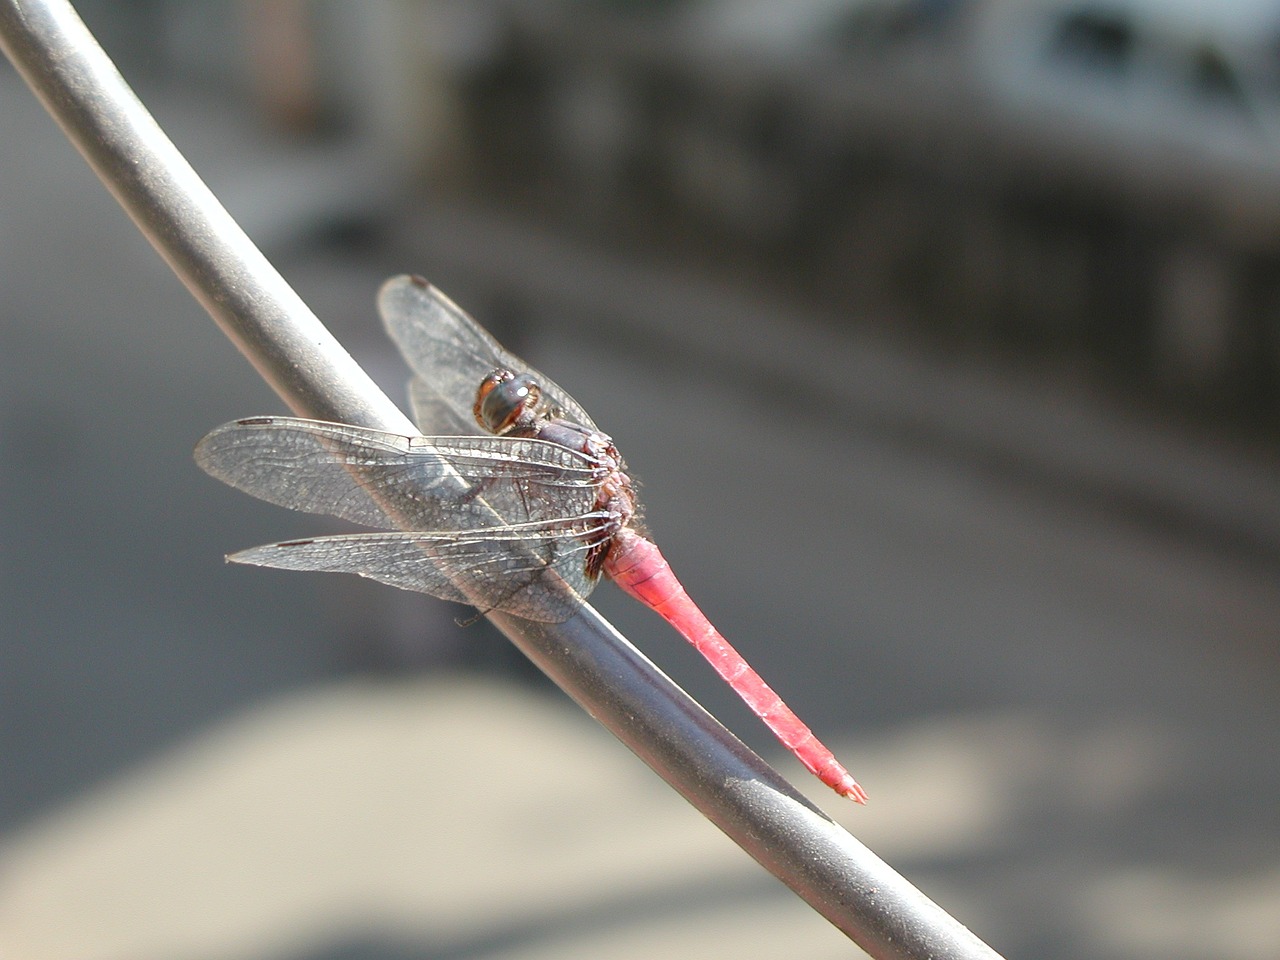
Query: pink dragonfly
column 523, row 520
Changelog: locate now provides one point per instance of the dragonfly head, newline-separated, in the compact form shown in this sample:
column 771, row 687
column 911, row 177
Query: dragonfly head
column 506, row 400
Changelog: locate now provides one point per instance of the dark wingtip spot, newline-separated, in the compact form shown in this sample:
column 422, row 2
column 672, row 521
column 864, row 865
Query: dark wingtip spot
column 255, row 421
column 295, row 543
column 418, row 281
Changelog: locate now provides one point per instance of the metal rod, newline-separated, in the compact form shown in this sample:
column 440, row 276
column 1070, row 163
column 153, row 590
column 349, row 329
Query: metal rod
column 597, row 667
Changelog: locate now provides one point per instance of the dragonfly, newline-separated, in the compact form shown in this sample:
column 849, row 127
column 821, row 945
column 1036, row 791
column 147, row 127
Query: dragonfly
column 525, row 518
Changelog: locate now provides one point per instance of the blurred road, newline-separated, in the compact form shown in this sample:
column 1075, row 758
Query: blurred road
column 1039, row 628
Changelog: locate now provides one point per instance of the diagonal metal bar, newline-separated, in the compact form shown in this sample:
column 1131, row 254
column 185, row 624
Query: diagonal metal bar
column 586, row 657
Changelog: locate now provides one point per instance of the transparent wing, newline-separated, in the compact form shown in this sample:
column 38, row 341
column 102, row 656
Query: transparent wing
column 450, row 355
column 394, row 482
column 536, row 571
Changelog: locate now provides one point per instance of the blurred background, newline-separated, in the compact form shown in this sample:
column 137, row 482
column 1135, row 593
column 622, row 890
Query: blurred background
column 944, row 337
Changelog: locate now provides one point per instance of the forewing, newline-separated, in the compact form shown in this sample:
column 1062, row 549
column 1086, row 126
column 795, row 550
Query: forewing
column 390, row 481
column 535, row 571
column 435, row 415
column 450, row 354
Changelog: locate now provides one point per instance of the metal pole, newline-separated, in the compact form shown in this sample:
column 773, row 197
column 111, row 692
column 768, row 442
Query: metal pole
column 611, row 680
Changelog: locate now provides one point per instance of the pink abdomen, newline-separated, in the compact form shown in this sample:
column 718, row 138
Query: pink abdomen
column 638, row 567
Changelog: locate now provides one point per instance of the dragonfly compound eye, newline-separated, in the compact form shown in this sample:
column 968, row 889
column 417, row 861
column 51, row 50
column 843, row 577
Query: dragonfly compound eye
column 505, row 399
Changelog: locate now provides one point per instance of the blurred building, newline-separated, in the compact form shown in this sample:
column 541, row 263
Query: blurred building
column 1096, row 181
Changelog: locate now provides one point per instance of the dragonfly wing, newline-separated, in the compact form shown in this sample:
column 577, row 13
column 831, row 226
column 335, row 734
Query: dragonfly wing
column 451, row 354
column 390, row 481
column 535, row 571
column 435, row 415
